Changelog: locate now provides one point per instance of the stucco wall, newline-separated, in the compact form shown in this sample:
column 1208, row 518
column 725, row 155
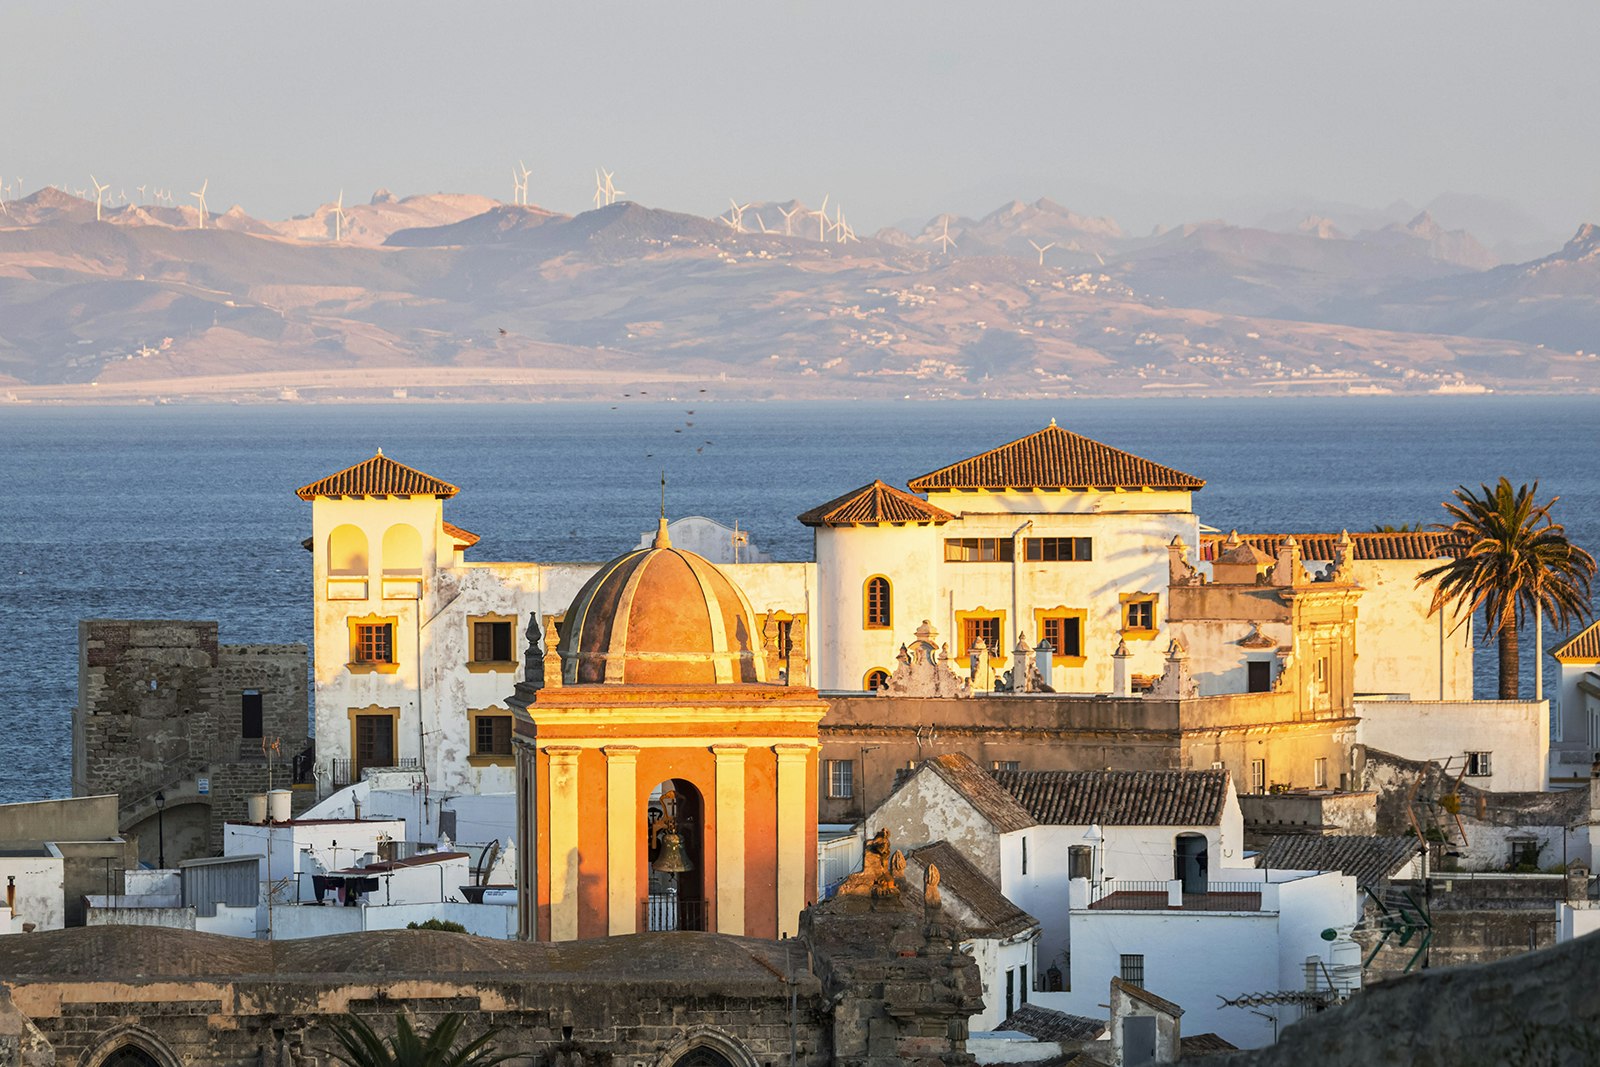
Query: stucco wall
column 40, row 888
column 926, row 810
column 1403, row 650
column 1515, row 732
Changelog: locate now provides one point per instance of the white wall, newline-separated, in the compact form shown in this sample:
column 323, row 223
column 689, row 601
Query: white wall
column 293, row 852
column 1515, row 732
column 1401, row 649
column 925, row 810
column 295, row 921
column 994, row 959
column 1575, row 921
column 40, row 889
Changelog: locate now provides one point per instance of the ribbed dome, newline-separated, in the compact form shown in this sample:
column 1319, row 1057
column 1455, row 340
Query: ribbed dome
column 660, row 616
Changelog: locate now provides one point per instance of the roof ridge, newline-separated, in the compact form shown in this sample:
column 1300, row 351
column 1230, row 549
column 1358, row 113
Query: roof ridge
column 1583, row 645
column 377, row 476
column 874, row 503
column 1055, row 458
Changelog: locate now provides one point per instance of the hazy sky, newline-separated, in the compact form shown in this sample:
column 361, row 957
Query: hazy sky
column 1150, row 112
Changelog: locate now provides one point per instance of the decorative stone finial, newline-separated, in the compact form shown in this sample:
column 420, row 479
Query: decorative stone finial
column 663, row 540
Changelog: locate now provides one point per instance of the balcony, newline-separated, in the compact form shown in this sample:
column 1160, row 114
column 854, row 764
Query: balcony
column 666, row 911
column 345, row 772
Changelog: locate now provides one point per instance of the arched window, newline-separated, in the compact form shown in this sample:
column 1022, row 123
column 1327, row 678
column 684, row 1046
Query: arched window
column 347, row 551
column 879, row 605
column 877, row 678
column 129, row 1056
column 402, row 550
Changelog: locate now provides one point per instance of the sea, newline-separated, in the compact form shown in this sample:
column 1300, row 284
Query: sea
column 177, row 511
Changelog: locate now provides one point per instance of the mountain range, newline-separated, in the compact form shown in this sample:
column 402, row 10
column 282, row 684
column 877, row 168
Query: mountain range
column 454, row 295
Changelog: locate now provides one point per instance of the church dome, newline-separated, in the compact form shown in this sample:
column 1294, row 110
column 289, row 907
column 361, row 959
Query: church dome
column 660, row 616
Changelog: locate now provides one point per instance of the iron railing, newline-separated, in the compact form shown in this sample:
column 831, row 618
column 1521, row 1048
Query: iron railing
column 667, row 911
column 344, row 769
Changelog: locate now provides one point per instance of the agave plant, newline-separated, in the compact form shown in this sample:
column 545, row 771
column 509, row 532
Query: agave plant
column 361, row 1045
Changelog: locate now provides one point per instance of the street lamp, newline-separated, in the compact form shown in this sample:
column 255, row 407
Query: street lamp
column 161, row 828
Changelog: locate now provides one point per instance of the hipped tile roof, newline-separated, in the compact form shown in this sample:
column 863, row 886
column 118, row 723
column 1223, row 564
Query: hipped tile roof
column 994, row 803
column 1325, row 546
column 1370, row 860
column 875, row 503
column 1048, row 1024
column 996, row 916
column 378, row 476
column 1584, row 646
column 1055, row 458
column 1119, row 798
column 1204, row 1045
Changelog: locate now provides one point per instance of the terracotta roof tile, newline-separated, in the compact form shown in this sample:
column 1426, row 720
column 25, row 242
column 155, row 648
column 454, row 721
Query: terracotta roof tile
column 1137, row 992
column 1583, row 647
column 1370, row 860
column 1204, row 1045
column 995, row 915
column 1324, row 546
column 378, row 476
column 1048, row 1024
column 872, row 504
column 982, row 791
column 1119, row 798
column 1055, row 458
column 465, row 538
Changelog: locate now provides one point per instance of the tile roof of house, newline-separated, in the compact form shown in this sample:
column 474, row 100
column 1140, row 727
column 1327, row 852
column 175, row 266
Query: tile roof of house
column 1048, row 1024
column 1119, row 798
column 1204, row 1045
column 465, row 538
column 1055, row 458
column 1003, row 810
column 995, row 915
column 1583, row 647
column 1324, row 546
column 1371, row 860
column 1161, row 1004
column 378, row 476
column 872, row 504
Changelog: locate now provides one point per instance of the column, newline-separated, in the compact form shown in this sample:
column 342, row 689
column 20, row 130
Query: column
column 563, row 841
column 622, row 838
column 730, row 838
column 792, row 816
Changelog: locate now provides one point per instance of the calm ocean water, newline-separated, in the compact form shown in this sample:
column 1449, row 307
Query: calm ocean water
column 190, row 512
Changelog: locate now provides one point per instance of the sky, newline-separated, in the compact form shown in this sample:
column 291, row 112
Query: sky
column 1154, row 113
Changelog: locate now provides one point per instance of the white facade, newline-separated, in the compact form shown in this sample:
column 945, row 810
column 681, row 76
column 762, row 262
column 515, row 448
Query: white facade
column 1508, row 739
column 1007, row 967
column 33, row 882
column 292, row 853
column 1576, row 918
column 1193, row 957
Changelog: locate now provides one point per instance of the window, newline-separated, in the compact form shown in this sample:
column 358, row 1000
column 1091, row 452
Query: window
column 1023, row 982
column 374, row 741
column 841, row 778
column 979, row 549
column 984, row 628
column 1065, row 636
column 1058, row 549
column 1479, row 765
column 1258, row 776
column 491, row 642
column 1024, row 855
column 785, row 640
column 1004, row 765
column 1322, row 674
column 1138, row 614
column 1259, row 676
column 491, row 735
column 374, row 643
column 878, row 606
column 1133, row 969
column 877, row 678
column 1011, row 992
column 1319, row 772
column 250, row 713
column 1080, row 861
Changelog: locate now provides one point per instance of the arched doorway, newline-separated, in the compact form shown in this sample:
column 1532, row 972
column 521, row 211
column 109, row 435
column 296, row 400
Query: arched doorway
column 702, row 1056
column 130, row 1056
column 1189, row 862
column 675, row 832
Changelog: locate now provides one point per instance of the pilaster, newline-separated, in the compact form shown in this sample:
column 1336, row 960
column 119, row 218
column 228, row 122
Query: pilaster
column 563, row 801
column 730, row 838
column 622, row 845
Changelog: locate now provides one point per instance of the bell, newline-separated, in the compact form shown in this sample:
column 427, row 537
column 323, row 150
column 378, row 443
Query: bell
column 672, row 857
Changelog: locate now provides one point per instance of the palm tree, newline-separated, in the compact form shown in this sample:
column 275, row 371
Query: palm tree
column 362, row 1047
column 1511, row 559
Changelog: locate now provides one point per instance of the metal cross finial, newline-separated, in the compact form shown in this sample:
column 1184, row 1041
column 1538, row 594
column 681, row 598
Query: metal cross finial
column 663, row 493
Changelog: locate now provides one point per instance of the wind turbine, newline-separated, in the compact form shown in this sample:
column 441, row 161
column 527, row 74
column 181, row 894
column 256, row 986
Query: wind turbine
column 140, row 190
column 99, row 193
column 201, row 197
column 736, row 215
column 338, row 219
column 524, row 187
column 762, row 223
column 599, row 190
column 1041, row 249
column 822, row 219
column 611, row 190
column 945, row 238
column 516, row 187
column 787, row 215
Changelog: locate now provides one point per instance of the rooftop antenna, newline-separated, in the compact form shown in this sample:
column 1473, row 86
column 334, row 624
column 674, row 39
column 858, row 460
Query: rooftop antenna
column 338, row 219
column 822, row 219
column 99, row 192
column 201, row 196
column 1041, row 249
column 945, row 238
column 787, row 215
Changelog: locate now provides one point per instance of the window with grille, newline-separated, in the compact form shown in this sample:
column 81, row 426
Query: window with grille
column 985, row 628
column 491, row 735
column 1479, row 765
column 785, row 637
column 374, row 643
column 841, row 778
column 1058, row 549
column 1080, row 861
column 979, row 550
column 878, row 616
column 877, row 678
column 491, row 642
column 1139, row 614
column 1065, row 634
column 1258, row 776
column 1133, row 969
